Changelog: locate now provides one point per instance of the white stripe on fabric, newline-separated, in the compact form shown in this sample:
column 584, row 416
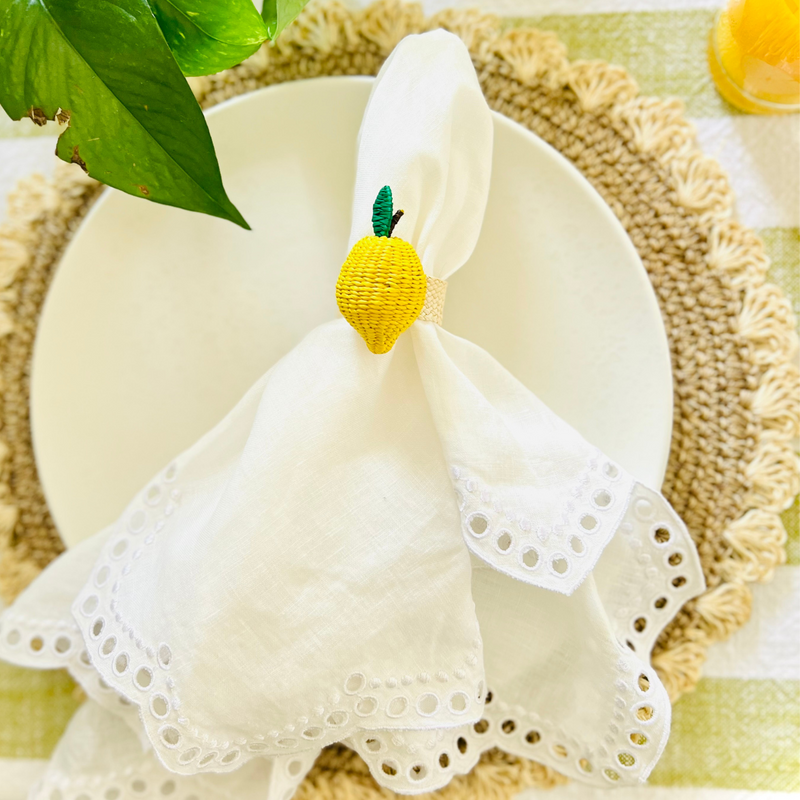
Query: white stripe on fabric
column 769, row 645
column 762, row 157
column 22, row 157
column 576, row 791
column 17, row 776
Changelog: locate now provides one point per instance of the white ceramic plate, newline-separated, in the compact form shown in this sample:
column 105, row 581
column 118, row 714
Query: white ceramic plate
column 158, row 320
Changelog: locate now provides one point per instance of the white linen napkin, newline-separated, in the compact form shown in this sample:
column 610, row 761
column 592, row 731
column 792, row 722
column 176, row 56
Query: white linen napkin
column 303, row 574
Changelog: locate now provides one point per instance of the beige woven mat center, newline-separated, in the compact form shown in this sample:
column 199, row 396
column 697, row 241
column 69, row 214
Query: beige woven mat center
column 732, row 468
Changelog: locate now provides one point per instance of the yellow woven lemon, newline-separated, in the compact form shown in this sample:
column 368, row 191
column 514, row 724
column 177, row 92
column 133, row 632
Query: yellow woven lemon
column 381, row 287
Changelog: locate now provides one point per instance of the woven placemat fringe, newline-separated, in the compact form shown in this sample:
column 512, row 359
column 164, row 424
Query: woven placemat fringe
column 42, row 216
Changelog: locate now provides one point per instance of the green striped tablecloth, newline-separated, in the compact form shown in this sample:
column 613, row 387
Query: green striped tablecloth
column 738, row 735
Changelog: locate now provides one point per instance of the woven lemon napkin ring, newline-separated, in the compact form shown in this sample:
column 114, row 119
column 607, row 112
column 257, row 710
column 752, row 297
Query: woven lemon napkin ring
column 382, row 288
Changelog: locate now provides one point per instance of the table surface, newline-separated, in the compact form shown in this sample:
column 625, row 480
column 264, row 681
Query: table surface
column 738, row 735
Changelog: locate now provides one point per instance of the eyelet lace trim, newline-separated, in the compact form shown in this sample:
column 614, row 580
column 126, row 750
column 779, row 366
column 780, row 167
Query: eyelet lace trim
column 657, row 570
column 103, row 694
column 418, row 761
column 139, row 670
column 39, row 643
column 556, row 554
column 58, row 644
column 148, row 778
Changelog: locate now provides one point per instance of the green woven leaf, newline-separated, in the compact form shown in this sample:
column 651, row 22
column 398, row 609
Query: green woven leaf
column 382, row 212
column 207, row 36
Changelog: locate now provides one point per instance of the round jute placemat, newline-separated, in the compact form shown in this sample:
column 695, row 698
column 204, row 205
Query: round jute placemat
column 732, row 468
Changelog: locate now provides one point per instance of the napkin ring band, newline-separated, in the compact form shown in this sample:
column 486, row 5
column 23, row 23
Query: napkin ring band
column 433, row 309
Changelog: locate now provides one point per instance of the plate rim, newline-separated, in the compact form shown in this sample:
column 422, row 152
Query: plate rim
column 290, row 87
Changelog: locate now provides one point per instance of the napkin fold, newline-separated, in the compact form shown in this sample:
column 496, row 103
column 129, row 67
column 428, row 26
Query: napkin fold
column 406, row 552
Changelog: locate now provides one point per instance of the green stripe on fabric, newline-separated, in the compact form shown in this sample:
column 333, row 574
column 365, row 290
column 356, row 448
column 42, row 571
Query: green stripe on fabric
column 783, row 248
column 11, row 129
column 665, row 51
column 35, row 707
column 734, row 734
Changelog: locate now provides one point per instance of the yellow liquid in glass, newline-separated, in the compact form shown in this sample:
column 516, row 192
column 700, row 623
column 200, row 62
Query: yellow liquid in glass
column 754, row 54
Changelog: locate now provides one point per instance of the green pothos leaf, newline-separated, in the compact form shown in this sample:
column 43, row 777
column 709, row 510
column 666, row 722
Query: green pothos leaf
column 207, row 36
column 105, row 69
column 278, row 14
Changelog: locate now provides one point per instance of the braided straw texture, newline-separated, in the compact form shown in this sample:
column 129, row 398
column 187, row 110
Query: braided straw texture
column 433, row 310
column 732, row 467
column 381, row 290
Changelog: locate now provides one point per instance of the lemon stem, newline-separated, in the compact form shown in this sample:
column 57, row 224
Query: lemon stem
column 395, row 220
